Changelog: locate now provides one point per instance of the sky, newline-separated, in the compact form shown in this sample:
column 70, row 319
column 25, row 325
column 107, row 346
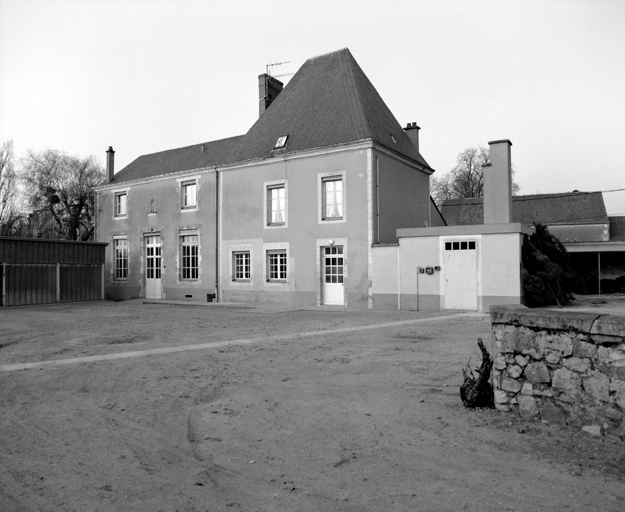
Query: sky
column 146, row 76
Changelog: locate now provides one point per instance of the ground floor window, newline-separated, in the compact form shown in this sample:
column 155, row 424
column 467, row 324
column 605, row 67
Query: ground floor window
column 189, row 245
column 242, row 266
column 121, row 258
column 460, row 246
column 276, row 265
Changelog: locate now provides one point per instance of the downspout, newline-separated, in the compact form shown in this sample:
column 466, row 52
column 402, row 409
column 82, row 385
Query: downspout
column 599, row 271
column 398, row 281
column 377, row 200
column 216, row 235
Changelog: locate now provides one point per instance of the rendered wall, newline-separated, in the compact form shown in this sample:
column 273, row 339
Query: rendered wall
column 384, row 277
column 562, row 367
column 401, row 197
column 500, row 270
column 243, row 215
column 168, row 220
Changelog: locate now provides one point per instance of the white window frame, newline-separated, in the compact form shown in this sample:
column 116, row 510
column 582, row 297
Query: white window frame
column 123, row 269
column 194, row 276
column 268, row 186
column 277, row 259
column 183, row 183
column 117, row 213
column 272, row 249
column 324, row 178
column 246, row 272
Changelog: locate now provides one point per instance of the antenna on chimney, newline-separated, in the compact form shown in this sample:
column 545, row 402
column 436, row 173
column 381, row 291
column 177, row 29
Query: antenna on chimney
column 272, row 64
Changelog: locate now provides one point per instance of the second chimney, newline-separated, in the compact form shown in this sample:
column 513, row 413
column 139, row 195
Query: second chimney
column 498, row 184
column 412, row 130
column 268, row 90
column 110, row 163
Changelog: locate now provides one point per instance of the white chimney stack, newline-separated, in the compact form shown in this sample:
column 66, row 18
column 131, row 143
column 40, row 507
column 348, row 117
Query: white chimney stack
column 498, row 184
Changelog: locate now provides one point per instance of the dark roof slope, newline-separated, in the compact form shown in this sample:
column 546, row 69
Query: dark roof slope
column 565, row 208
column 197, row 156
column 328, row 102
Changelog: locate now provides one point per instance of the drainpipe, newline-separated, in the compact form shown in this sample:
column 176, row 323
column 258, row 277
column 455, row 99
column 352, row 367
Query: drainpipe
column 216, row 235
column 599, row 271
column 398, row 281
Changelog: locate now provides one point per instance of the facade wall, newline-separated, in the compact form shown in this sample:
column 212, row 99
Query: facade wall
column 155, row 207
column 500, row 270
column 244, row 227
column 401, row 197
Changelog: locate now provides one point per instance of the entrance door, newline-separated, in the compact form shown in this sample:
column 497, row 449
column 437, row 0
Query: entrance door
column 461, row 275
column 333, row 265
column 153, row 267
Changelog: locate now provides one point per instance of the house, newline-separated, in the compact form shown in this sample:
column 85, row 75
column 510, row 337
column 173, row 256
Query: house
column 287, row 213
column 595, row 241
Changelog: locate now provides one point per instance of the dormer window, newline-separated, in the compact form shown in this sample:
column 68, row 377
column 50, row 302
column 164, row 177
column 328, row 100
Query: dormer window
column 281, row 142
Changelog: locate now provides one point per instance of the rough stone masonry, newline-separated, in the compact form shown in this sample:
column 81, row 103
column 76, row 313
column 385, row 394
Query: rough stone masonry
column 562, row 367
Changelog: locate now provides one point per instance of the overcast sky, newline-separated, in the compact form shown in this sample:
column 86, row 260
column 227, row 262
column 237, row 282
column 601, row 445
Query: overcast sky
column 146, row 76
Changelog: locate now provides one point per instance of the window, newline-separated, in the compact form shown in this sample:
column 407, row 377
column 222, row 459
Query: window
column 242, row 266
column 189, row 194
column 281, row 142
column 460, row 246
column 120, row 204
column 276, row 265
column 152, row 206
column 276, row 205
column 332, row 190
column 121, row 258
column 189, row 249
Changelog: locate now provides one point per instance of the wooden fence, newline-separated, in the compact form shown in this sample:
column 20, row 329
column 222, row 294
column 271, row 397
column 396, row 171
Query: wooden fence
column 38, row 271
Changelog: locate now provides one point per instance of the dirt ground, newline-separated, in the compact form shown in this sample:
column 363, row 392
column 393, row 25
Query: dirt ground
column 304, row 410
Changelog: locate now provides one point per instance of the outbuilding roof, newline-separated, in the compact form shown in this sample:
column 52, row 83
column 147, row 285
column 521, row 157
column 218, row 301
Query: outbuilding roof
column 551, row 209
column 328, row 102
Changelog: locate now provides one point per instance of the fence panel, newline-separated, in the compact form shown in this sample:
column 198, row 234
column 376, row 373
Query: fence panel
column 30, row 284
column 80, row 282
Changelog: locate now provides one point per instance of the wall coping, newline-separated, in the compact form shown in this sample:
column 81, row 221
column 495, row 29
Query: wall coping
column 473, row 229
column 601, row 328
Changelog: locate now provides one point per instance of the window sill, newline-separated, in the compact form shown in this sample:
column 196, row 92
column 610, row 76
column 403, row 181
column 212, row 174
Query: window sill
column 241, row 280
column 277, row 281
column 120, row 217
column 189, row 209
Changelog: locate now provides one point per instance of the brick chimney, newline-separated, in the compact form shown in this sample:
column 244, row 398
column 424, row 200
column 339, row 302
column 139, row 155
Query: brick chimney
column 498, row 184
column 412, row 130
column 110, row 163
column 268, row 90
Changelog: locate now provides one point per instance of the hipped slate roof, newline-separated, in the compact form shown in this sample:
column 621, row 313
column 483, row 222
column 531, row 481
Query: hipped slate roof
column 550, row 209
column 328, row 102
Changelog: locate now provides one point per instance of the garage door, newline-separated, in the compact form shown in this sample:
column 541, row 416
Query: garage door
column 461, row 275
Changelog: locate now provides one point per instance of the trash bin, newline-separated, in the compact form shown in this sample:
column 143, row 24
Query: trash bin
column 209, row 297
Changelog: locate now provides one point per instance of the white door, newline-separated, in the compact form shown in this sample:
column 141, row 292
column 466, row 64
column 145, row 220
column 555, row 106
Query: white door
column 333, row 264
column 461, row 275
column 153, row 267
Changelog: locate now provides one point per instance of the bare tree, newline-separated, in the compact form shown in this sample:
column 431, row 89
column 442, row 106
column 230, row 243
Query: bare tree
column 59, row 191
column 9, row 219
column 466, row 179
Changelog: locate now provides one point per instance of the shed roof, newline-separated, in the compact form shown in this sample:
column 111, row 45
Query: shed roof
column 328, row 102
column 564, row 208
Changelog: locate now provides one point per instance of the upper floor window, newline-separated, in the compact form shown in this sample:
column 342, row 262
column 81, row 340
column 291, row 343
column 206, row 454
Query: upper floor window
column 189, row 251
column 276, row 204
column 332, row 197
column 189, row 194
column 120, row 204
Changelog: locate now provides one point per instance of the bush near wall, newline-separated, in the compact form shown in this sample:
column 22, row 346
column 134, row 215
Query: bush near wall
column 563, row 367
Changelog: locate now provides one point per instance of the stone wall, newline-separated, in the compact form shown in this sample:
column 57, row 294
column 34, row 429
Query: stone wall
column 562, row 367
